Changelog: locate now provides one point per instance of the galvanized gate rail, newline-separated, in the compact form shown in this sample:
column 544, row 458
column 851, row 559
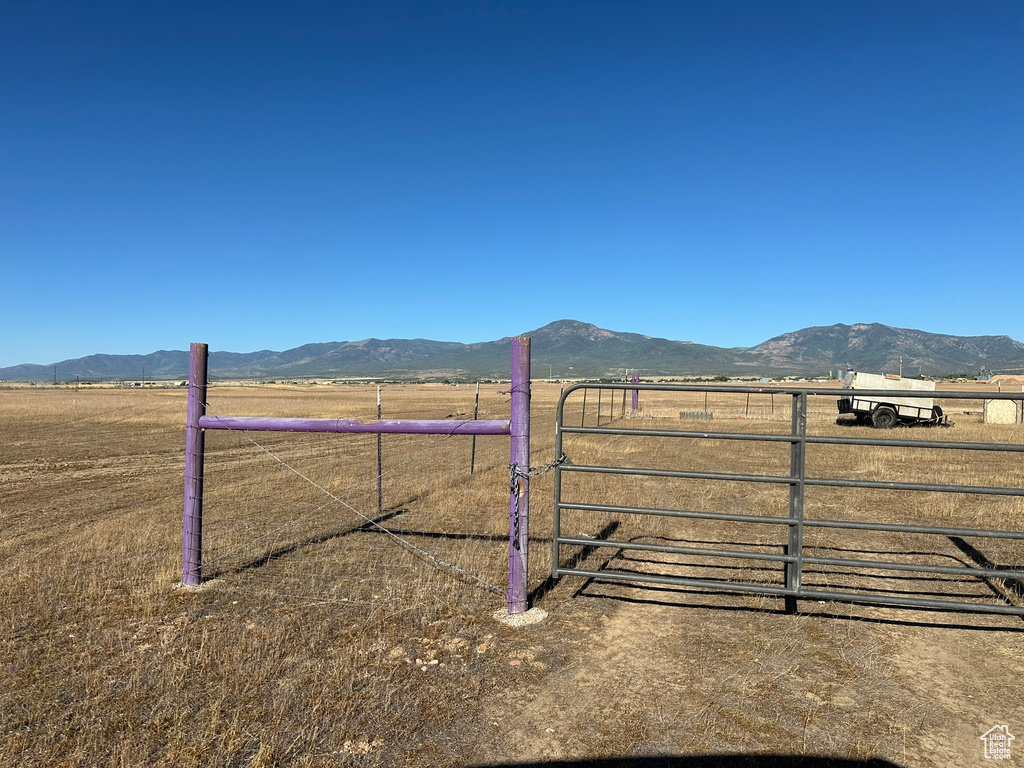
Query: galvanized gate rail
column 794, row 560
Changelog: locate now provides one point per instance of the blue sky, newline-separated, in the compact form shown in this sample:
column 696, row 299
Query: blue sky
column 262, row 175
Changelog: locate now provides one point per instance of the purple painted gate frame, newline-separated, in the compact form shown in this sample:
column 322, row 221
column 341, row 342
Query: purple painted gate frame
column 517, row 427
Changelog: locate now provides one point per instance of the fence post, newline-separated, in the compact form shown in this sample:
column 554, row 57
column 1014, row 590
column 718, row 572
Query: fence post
column 476, row 414
column 636, row 392
column 797, row 474
column 519, row 487
column 192, row 528
column 380, row 462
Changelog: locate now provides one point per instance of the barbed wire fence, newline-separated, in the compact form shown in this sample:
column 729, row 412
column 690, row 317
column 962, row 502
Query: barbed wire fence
column 284, row 495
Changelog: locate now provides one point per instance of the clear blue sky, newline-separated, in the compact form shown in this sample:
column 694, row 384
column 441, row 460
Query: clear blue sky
column 262, row 175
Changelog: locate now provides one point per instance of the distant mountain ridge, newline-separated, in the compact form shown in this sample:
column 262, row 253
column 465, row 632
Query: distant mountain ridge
column 570, row 349
column 877, row 347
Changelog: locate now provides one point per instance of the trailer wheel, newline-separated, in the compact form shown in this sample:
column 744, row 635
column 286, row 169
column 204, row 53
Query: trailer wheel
column 884, row 417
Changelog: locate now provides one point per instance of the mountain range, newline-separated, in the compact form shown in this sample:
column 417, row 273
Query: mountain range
column 571, row 349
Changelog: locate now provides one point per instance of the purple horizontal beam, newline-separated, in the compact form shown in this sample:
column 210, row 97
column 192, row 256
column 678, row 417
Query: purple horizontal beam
column 383, row 426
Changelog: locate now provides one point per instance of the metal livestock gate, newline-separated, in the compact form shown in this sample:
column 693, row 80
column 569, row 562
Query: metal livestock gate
column 789, row 560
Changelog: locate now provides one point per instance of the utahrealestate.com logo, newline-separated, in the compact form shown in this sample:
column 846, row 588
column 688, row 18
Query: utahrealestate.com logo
column 997, row 742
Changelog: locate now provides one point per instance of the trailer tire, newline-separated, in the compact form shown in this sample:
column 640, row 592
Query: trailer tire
column 884, row 417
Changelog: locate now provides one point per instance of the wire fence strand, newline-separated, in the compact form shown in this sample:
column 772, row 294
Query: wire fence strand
column 368, row 520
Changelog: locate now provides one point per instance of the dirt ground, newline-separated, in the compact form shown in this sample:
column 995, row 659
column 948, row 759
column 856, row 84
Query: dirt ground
column 675, row 673
column 331, row 645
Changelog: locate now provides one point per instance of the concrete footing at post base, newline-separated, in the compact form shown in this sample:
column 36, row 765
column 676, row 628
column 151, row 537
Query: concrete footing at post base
column 531, row 616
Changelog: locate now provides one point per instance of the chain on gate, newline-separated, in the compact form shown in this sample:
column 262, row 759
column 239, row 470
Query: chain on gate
column 514, row 475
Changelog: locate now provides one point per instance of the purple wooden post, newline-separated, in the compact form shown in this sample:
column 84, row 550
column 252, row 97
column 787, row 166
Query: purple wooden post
column 192, row 544
column 519, row 502
column 636, row 392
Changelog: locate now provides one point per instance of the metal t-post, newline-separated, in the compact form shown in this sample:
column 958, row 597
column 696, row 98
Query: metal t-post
column 519, row 487
column 192, row 543
column 476, row 415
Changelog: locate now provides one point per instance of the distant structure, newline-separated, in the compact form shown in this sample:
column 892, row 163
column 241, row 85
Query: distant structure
column 1002, row 412
column 1004, row 381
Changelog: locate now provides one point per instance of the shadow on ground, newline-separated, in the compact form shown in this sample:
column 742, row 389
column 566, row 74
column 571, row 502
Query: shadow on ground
column 704, row 761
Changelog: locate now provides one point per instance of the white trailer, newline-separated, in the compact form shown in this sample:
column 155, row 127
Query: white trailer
column 885, row 411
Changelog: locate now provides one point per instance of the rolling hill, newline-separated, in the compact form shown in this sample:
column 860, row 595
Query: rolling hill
column 570, row 349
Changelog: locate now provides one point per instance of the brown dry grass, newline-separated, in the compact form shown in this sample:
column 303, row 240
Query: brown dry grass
column 313, row 641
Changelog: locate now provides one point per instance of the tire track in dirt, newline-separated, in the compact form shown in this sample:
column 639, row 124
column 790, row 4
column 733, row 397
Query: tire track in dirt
column 713, row 674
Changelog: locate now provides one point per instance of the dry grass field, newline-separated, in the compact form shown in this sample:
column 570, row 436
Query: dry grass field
column 326, row 635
